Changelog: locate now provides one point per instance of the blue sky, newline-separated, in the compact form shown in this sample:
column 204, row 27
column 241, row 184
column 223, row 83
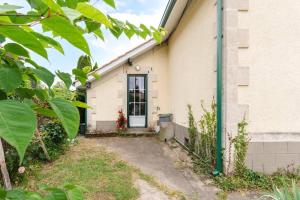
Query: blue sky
column 148, row 12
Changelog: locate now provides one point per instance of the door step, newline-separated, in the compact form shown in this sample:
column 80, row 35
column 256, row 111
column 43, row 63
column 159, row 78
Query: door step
column 131, row 132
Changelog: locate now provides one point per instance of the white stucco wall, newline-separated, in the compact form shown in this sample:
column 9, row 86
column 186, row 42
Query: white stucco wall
column 273, row 58
column 109, row 94
column 192, row 50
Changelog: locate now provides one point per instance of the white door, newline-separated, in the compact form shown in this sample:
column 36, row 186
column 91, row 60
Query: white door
column 137, row 101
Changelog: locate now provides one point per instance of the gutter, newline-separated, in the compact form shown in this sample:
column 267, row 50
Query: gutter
column 219, row 154
column 167, row 13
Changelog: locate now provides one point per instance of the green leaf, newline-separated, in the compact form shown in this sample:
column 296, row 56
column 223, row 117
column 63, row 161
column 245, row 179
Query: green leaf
column 42, row 94
column 68, row 115
column 24, row 38
column 49, row 41
column 99, row 34
column 17, row 124
column 53, row 6
column 25, row 93
column 10, row 78
column 110, row 3
column 3, row 95
column 7, row 7
column 116, row 31
column 67, row 31
column 56, row 194
column 87, row 69
column 38, row 5
column 129, row 33
column 75, row 194
column 65, row 77
column 45, row 112
column 80, row 75
column 73, row 3
column 16, row 49
column 16, row 194
column 71, row 13
column 93, row 13
column 91, row 26
column 80, row 104
column 45, row 75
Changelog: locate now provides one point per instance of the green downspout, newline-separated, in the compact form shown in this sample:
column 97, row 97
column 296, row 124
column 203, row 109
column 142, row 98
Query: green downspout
column 219, row 154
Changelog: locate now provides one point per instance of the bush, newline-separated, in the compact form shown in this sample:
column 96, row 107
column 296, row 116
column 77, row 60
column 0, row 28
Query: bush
column 55, row 139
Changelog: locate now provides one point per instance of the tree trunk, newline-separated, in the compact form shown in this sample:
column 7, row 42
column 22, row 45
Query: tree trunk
column 42, row 144
column 4, row 171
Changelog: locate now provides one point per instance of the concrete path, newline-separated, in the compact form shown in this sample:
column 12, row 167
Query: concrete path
column 155, row 158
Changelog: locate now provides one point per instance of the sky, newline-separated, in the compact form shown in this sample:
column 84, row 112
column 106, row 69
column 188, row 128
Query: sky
column 148, row 12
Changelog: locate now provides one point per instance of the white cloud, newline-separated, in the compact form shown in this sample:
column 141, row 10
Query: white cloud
column 111, row 47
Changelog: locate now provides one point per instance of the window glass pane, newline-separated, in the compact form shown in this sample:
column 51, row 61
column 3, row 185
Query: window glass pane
column 131, row 82
column 137, row 109
column 131, row 108
column 131, row 95
column 139, row 96
column 143, row 108
column 139, row 83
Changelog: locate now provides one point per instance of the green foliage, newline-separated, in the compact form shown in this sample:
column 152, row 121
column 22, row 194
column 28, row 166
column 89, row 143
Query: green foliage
column 60, row 90
column 240, row 142
column 111, row 3
column 251, row 180
column 17, row 124
column 44, row 75
column 67, row 192
column 65, row 77
column 24, row 38
column 20, row 75
column 285, row 193
column 10, row 78
column 68, row 115
column 55, row 139
column 93, row 13
column 192, row 130
column 16, row 49
column 206, row 140
column 66, row 30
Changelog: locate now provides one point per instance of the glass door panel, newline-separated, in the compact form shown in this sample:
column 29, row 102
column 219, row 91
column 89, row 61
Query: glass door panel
column 137, row 100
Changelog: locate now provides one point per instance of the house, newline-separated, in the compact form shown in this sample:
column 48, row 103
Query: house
column 246, row 55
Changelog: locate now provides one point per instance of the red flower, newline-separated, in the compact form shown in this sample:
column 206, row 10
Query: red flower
column 122, row 121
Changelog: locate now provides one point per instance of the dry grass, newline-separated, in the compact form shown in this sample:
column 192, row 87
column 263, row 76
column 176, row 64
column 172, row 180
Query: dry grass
column 91, row 167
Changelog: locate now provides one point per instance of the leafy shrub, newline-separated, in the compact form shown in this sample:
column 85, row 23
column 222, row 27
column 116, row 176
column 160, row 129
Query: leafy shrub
column 207, row 135
column 67, row 192
column 192, row 130
column 241, row 142
column 55, row 139
column 255, row 180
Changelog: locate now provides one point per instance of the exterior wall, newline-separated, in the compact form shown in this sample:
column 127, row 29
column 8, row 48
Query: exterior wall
column 109, row 94
column 262, row 79
column 192, row 62
column 104, row 98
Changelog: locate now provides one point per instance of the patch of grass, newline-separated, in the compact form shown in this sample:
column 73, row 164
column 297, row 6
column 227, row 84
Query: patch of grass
column 89, row 166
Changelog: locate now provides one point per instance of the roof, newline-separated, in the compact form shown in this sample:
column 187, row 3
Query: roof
column 169, row 21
